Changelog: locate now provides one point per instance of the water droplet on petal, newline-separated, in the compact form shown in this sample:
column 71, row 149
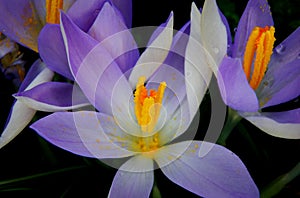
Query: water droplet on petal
column 280, row 49
column 235, row 29
column 216, row 50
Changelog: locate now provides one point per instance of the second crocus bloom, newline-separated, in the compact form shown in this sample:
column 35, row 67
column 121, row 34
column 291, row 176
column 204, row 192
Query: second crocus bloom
column 255, row 74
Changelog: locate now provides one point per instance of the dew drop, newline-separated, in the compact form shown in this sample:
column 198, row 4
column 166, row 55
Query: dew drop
column 216, row 50
column 280, row 49
column 235, row 29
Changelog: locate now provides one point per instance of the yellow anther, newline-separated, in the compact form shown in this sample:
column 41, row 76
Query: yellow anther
column 147, row 144
column 147, row 114
column 147, row 106
column 258, row 53
column 52, row 10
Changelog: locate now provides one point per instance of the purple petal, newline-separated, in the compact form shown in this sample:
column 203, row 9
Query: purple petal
column 271, row 126
column 83, row 12
column 283, row 75
column 107, row 88
column 234, row 87
column 219, row 173
column 53, row 96
column 98, row 77
column 292, row 116
column 34, row 70
column 224, row 20
column 78, row 44
column 125, row 7
column 52, row 50
column 20, row 22
column 176, row 56
column 82, row 133
column 110, row 29
column 257, row 13
column 287, row 51
column 133, row 179
column 285, row 86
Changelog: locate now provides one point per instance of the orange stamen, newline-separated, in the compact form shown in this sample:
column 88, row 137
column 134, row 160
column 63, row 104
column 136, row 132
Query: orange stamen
column 147, row 106
column 259, row 48
column 52, row 10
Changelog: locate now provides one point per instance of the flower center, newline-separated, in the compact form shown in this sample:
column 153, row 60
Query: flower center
column 52, row 10
column 148, row 104
column 258, row 53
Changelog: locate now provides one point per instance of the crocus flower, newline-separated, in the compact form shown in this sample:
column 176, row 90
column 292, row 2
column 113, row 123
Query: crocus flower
column 141, row 109
column 23, row 20
column 256, row 75
column 50, row 41
column 46, row 96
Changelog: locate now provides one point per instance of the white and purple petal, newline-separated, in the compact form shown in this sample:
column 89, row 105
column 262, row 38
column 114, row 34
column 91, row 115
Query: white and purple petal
column 213, row 32
column 278, row 124
column 21, row 114
column 135, row 178
column 219, row 173
column 196, row 66
column 155, row 53
column 53, row 96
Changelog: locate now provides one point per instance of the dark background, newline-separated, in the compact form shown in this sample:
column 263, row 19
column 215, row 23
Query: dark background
column 30, row 166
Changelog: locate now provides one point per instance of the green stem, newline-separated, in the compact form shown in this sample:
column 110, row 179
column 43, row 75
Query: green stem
column 280, row 182
column 40, row 175
column 233, row 118
column 155, row 191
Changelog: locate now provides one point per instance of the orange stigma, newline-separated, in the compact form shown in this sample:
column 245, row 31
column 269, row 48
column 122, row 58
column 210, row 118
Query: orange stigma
column 147, row 105
column 258, row 53
column 52, row 10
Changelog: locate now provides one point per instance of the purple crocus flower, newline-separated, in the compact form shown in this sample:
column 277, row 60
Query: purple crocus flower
column 23, row 20
column 255, row 75
column 47, row 96
column 142, row 107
